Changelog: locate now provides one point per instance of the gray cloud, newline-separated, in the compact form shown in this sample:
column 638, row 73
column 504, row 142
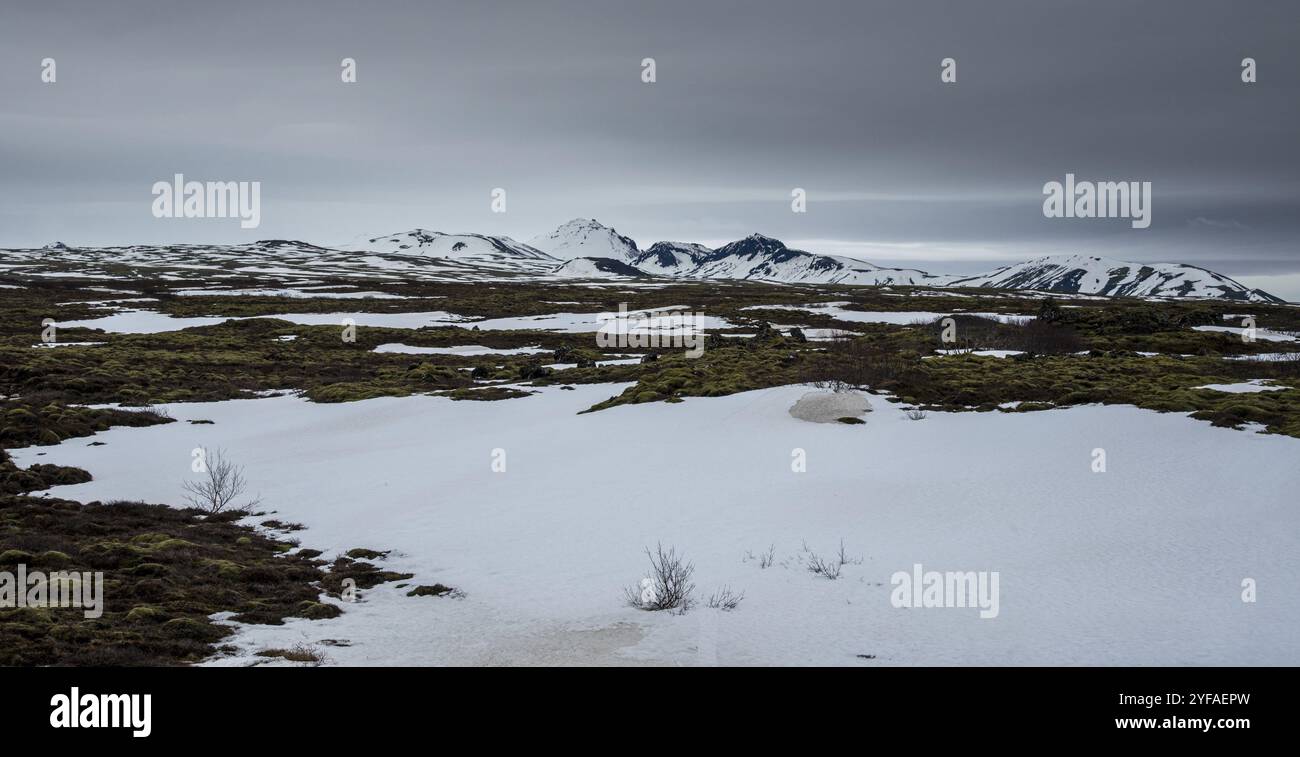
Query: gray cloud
column 752, row 99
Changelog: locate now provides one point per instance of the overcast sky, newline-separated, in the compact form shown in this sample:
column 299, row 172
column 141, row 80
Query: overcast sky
column 752, row 99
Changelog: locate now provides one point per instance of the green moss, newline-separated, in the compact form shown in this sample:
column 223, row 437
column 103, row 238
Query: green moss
column 14, row 557
column 145, row 614
column 52, row 559
column 317, row 610
column 150, row 570
column 149, row 538
column 224, row 568
column 167, row 570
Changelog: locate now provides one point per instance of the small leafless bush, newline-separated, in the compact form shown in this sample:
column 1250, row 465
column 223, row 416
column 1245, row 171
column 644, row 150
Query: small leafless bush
column 833, row 385
column 222, row 483
column 155, row 411
column 843, row 558
column 668, row 585
column 982, row 333
column 859, row 362
column 765, row 559
column 725, row 599
column 832, row 567
column 299, row 653
column 916, row 414
column 825, row 568
column 1281, row 365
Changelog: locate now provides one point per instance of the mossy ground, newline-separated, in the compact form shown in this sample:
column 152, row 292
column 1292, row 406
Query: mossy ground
column 168, row 569
column 239, row 358
column 165, row 571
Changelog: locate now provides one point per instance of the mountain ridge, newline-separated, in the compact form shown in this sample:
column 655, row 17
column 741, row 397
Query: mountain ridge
column 585, row 248
column 762, row 258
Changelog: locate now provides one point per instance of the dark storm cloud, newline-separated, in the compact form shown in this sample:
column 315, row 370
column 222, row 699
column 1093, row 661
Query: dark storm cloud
column 752, row 99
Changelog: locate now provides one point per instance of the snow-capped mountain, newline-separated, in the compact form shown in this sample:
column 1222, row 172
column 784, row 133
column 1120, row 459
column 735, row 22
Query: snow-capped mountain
column 671, row 258
column 755, row 257
column 1083, row 274
column 766, row 259
column 762, row 258
column 596, row 268
column 585, row 238
column 586, row 249
column 474, row 249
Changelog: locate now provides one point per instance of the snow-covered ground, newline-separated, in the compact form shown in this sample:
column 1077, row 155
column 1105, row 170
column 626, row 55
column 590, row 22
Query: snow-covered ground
column 1262, row 334
column 979, row 353
column 141, row 322
column 1245, row 387
column 295, row 293
column 1266, row 357
column 464, row 350
column 153, row 322
column 1141, row 564
column 838, row 311
column 672, row 319
column 666, row 320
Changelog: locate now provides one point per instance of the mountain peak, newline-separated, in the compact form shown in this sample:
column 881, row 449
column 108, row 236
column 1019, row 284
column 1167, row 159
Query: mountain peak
column 1108, row 277
column 583, row 223
column 754, row 245
column 586, row 238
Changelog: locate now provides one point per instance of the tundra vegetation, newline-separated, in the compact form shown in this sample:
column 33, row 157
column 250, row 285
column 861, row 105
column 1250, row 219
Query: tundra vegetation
column 169, row 568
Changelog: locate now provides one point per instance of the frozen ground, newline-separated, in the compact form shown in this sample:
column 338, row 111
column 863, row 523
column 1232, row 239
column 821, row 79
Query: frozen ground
column 671, row 320
column 301, row 293
column 1244, row 387
column 153, row 322
column 658, row 320
column 837, row 311
column 1141, row 564
column 1262, row 334
column 464, row 350
column 980, row 353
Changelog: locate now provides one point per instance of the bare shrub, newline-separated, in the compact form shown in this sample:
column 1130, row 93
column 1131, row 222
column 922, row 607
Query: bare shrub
column 831, row 567
column 668, row 585
column 298, row 653
column 843, row 558
column 764, row 559
column 825, row 568
column 916, row 414
column 725, row 599
column 221, row 485
column 981, row 333
column 1282, row 365
column 155, row 411
column 833, row 385
column 1046, row 338
column 857, row 363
